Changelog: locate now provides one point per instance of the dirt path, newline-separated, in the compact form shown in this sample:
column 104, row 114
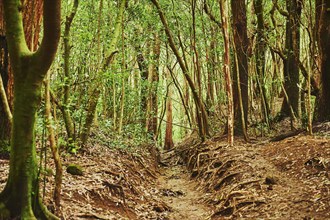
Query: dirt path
column 181, row 194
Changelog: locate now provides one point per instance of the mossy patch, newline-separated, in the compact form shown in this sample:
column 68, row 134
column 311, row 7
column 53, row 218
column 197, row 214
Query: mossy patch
column 74, row 169
column 4, row 212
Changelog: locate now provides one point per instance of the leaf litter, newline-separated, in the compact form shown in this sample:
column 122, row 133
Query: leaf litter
column 287, row 179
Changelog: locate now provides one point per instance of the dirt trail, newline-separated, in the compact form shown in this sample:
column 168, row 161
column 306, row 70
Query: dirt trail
column 181, row 194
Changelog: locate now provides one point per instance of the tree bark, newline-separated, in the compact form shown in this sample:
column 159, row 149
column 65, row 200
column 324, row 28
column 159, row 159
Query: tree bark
column 144, row 71
column 53, row 147
column 32, row 15
column 323, row 104
column 168, row 143
column 260, row 59
column 154, row 80
column 238, row 8
column 67, row 79
column 292, row 51
column 226, row 70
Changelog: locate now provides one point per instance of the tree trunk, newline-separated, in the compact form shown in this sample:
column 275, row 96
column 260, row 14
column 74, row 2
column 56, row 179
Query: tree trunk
column 210, row 60
column 260, row 58
column 20, row 197
column 109, row 55
column 32, row 15
column 323, row 104
column 5, row 124
column 144, row 71
column 154, row 78
column 168, row 144
column 292, row 51
column 5, row 103
column 67, row 79
column 202, row 121
column 53, row 147
column 238, row 8
column 226, row 70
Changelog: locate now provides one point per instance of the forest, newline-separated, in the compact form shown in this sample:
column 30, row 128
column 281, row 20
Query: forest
column 157, row 109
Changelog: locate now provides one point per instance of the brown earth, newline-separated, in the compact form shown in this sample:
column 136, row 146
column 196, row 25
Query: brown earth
column 288, row 179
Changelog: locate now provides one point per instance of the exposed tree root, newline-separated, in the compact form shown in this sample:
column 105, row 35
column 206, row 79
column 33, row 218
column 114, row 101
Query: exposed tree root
column 227, row 172
column 38, row 212
column 116, row 190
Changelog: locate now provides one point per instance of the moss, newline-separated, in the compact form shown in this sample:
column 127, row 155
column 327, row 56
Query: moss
column 4, row 212
column 74, row 169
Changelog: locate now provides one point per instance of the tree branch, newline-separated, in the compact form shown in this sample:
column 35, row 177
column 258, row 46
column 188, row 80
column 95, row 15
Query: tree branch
column 52, row 30
column 210, row 15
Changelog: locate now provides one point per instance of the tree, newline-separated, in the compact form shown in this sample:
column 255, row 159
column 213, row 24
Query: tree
column 32, row 14
column 201, row 115
column 65, row 105
column 238, row 8
column 109, row 56
column 168, row 143
column 226, row 70
column 292, row 51
column 154, row 79
column 260, row 57
column 323, row 104
column 20, row 197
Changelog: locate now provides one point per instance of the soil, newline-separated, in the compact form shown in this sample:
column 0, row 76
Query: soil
column 287, row 179
column 180, row 193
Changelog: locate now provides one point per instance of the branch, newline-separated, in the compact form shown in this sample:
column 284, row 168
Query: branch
column 304, row 72
column 52, row 31
column 280, row 10
column 113, row 44
column 5, row 101
column 211, row 16
column 15, row 32
column 69, row 18
column 278, row 52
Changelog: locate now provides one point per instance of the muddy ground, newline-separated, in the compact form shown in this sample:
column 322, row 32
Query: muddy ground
column 286, row 179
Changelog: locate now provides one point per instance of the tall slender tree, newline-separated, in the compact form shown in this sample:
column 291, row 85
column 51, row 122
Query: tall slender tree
column 239, row 20
column 292, row 51
column 323, row 105
column 201, row 115
column 226, row 69
column 260, row 57
column 154, row 79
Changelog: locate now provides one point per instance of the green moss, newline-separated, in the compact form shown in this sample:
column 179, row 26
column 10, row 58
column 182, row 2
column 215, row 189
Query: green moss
column 4, row 212
column 74, row 169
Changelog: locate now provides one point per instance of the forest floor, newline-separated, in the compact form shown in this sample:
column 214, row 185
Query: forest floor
column 286, row 179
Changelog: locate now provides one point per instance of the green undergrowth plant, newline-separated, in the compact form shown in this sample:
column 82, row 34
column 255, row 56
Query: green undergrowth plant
column 131, row 137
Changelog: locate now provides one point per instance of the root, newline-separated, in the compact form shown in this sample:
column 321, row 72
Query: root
column 227, row 178
column 40, row 212
column 116, row 189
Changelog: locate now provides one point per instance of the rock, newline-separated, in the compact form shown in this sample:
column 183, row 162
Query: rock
column 74, row 169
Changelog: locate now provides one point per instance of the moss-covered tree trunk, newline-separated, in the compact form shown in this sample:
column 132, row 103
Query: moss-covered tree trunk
column 69, row 125
column 20, row 198
column 96, row 92
column 32, row 14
